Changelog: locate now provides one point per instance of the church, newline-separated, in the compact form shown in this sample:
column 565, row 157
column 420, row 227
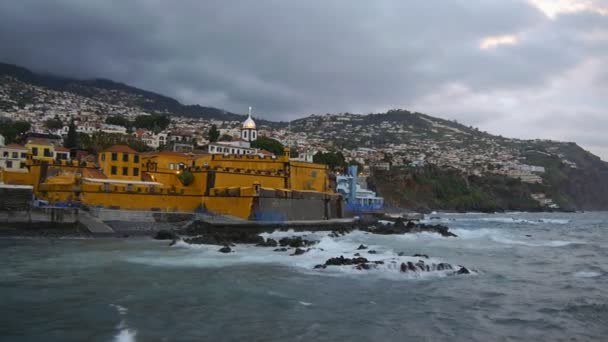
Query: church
column 242, row 146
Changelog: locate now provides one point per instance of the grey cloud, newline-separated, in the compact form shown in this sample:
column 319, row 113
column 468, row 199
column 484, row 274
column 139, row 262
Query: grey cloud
column 292, row 58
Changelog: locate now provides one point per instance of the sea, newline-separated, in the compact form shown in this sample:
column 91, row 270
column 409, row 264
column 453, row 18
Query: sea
column 541, row 276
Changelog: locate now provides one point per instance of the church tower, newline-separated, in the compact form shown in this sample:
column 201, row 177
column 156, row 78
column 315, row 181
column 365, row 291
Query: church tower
column 248, row 131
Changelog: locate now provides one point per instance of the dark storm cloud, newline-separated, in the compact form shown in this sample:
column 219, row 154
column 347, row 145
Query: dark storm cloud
column 292, row 58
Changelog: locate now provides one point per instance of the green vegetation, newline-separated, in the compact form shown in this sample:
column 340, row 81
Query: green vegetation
column 12, row 130
column 213, row 134
column 54, row 123
column 335, row 160
column 186, row 178
column 118, row 121
column 433, row 188
column 268, row 144
column 72, row 139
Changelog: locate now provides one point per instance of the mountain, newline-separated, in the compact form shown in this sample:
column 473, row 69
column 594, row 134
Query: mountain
column 436, row 163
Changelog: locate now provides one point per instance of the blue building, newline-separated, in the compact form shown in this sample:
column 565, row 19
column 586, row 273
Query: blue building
column 355, row 197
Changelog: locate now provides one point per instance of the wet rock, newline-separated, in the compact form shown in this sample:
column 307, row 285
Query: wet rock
column 401, row 253
column 296, row 242
column 282, row 249
column 372, row 252
column 225, row 249
column 400, row 227
column 411, row 267
column 421, row 256
column 299, row 251
column 403, row 267
column 528, row 235
column 361, row 247
column 363, row 266
column 443, row 266
column 357, row 254
column 173, row 242
column 342, row 261
column 268, row 243
column 165, row 234
column 320, row 266
column 463, row 270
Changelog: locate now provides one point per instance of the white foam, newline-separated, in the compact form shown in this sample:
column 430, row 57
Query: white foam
column 305, row 303
column 125, row 334
column 537, row 243
column 587, row 274
column 207, row 256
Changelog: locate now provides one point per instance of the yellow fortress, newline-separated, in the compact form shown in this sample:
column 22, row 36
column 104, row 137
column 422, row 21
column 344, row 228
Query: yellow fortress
column 248, row 185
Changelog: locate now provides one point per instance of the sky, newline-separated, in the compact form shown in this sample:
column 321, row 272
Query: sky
column 517, row 68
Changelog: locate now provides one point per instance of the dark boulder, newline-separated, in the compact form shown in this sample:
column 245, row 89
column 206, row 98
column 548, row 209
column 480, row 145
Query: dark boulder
column 268, row 243
column 225, row 249
column 421, row 256
column 361, row 247
column 372, row 252
column 282, row 249
column 296, row 242
column 463, row 270
column 165, row 234
column 299, row 251
column 320, row 266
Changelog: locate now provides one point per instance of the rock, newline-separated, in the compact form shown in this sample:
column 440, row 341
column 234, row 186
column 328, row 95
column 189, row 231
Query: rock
column 372, row 252
column 421, row 256
column 296, row 242
column 225, row 249
column 299, row 251
column 363, row 267
column 361, row 247
column 411, row 267
column 401, row 253
column 357, row 254
column 173, row 242
column 342, row 261
column 404, row 267
column 268, row 243
column 528, row 235
column 283, row 249
column 320, row 266
column 463, row 270
column 165, row 234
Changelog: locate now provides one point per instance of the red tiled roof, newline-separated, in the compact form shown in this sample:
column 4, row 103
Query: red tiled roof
column 16, row 147
column 120, row 148
column 62, row 149
column 39, row 141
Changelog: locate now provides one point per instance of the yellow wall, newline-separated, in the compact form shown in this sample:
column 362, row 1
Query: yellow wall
column 235, row 206
column 40, row 149
column 131, row 166
column 308, row 176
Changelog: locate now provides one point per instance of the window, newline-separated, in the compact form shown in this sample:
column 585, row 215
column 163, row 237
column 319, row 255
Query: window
column 47, row 152
column 9, row 164
column 125, row 171
column 125, row 157
column 15, row 155
column 113, row 170
column 114, row 156
column 254, row 135
column 35, row 151
column 171, row 166
column 135, row 171
column 22, row 165
column 23, row 154
column 103, row 157
column 136, row 159
column 5, row 154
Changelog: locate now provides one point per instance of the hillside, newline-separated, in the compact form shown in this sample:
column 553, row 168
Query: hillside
column 413, row 143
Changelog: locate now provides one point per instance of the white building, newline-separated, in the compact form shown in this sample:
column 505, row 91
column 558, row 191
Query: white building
column 12, row 157
column 240, row 147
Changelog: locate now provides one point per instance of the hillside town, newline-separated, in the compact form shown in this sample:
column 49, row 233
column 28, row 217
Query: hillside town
column 396, row 139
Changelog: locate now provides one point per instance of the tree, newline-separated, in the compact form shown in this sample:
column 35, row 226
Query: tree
column 72, row 139
column 119, row 121
column 154, row 122
column 213, row 134
column 54, row 123
column 331, row 159
column 225, row 137
column 12, row 130
column 268, row 144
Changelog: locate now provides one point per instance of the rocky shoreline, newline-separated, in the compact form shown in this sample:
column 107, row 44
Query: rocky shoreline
column 227, row 241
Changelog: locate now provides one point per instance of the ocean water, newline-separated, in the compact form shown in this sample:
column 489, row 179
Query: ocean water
column 538, row 277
